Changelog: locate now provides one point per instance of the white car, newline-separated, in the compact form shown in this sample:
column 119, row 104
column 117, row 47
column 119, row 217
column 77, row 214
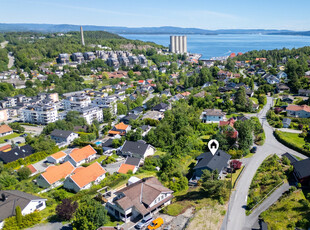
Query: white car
column 144, row 222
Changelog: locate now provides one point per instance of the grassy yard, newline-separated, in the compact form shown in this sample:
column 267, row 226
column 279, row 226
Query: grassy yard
column 289, row 211
column 11, row 136
column 254, row 99
column 208, row 213
column 292, row 138
column 269, row 174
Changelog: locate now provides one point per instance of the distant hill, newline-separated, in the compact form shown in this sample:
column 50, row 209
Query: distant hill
column 46, row 28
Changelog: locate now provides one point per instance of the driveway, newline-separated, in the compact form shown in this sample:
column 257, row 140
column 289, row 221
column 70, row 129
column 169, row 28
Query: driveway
column 235, row 218
column 112, row 168
column 51, row 226
column 290, row 130
column 15, row 139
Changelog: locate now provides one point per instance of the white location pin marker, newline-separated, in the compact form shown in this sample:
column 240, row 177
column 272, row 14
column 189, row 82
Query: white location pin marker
column 213, row 145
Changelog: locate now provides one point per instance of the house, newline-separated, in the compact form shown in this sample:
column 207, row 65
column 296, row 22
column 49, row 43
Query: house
column 63, row 137
column 166, row 92
column 207, row 84
column 5, row 148
column 139, row 149
column 128, row 118
column 133, row 161
column 201, row 94
column 78, row 157
column 54, row 175
column 137, row 110
column 145, row 129
column 16, row 153
column 139, row 199
column 83, row 178
column 154, row 115
column 280, row 88
column 208, row 161
column 125, row 168
column 231, row 131
column 286, row 122
column 119, row 129
column 281, row 75
column 57, row 158
column 302, row 171
column 107, row 146
column 212, row 115
column 272, row 79
column 288, row 98
column 302, row 111
column 5, row 130
column 33, row 170
column 161, row 107
column 304, row 92
column 10, row 199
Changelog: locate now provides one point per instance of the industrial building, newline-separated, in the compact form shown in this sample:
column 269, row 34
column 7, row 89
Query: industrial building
column 178, row 44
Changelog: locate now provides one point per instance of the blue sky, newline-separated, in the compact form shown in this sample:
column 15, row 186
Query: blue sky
column 206, row 14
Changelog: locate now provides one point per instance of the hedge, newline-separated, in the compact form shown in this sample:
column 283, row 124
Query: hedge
column 289, row 144
column 27, row 221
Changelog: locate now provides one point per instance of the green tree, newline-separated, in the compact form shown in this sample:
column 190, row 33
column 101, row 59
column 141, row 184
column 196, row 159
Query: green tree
column 121, row 109
column 29, row 84
column 19, row 215
column 23, row 173
column 245, row 134
column 90, row 215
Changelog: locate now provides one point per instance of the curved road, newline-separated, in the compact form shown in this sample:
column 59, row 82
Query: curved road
column 235, row 218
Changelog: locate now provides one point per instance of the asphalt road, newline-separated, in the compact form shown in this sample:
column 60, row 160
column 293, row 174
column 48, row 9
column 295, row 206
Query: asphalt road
column 235, row 218
column 253, row 217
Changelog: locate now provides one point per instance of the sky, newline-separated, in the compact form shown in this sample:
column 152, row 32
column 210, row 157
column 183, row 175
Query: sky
column 205, row 14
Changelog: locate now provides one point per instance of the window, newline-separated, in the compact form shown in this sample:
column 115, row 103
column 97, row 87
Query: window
column 39, row 205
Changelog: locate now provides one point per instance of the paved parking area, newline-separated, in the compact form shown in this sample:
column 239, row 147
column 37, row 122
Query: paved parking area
column 35, row 130
column 112, row 168
column 51, row 226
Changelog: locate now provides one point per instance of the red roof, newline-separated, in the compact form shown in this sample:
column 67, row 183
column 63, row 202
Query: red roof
column 5, row 147
column 298, row 108
column 230, row 122
column 80, row 154
column 232, row 55
column 32, row 168
column 124, row 168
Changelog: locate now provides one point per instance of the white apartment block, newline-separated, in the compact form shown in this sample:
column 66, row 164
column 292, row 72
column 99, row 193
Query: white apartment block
column 90, row 114
column 40, row 114
column 76, row 101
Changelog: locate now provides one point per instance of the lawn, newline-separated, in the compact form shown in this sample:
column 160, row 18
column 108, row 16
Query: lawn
column 289, row 211
column 292, row 138
column 254, row 99
column 208, row 213
column 269, row 174
column 11, row 136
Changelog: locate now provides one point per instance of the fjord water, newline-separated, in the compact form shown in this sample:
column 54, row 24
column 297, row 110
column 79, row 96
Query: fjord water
column 224, row 44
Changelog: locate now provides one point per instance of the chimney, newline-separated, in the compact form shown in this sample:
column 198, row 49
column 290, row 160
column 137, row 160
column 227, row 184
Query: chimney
column 82, row 36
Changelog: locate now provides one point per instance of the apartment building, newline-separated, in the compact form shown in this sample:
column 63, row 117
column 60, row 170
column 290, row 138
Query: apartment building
column 40, row 114
column 78, row 100
column 90, row 113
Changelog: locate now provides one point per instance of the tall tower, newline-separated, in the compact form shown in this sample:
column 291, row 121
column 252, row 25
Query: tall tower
column 82, row 36
column 185, row 44
column 172, row 44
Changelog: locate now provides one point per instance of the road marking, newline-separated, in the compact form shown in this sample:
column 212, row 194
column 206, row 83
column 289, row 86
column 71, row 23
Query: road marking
column 246, row 198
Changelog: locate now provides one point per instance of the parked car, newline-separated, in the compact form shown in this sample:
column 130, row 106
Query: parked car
column 254, row 149
column 18, row 142
column 156, row 223
column 144, row 222
column 6, row 140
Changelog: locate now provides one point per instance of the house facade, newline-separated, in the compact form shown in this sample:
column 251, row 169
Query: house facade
column 138, row 149
column 78, row 157
column 63, row 137
column 139, row 199
column 5, row 130
column 212, row 115
column 302, row 111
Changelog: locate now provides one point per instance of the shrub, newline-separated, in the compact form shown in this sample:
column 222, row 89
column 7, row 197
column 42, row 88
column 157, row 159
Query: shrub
column 66, row 209
column 23, row 173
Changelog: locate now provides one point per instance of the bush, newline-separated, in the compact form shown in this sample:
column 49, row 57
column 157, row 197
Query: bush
column 23, row 173
column 27, row 221
column 66, row 209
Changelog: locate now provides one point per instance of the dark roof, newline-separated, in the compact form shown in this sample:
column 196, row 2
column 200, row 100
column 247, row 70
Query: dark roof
column 301, row 168
column 217, row 161
column 138, row 109
column 14, row 198
column 61, row 133
column 290, row 157
column 133, row 161
column 160, row 107
column 145, row 127
column 108, row 143
column 136, row 148
column 16, row 153
column 129, row 117
column 242, row 118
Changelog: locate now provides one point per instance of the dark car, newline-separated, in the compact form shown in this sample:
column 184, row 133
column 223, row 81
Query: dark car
column 18, row 142
column 6, row 140
column 254, row 149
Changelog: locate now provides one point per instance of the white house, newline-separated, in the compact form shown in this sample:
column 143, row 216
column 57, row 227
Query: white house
column 212, row 115
column 83, row 178
column 56, row 158
column 63, row 137
column 78, row 157
column 10, row 199
column 5, row 130
column 54, row 175
column 139, row 149
column 139, row 199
